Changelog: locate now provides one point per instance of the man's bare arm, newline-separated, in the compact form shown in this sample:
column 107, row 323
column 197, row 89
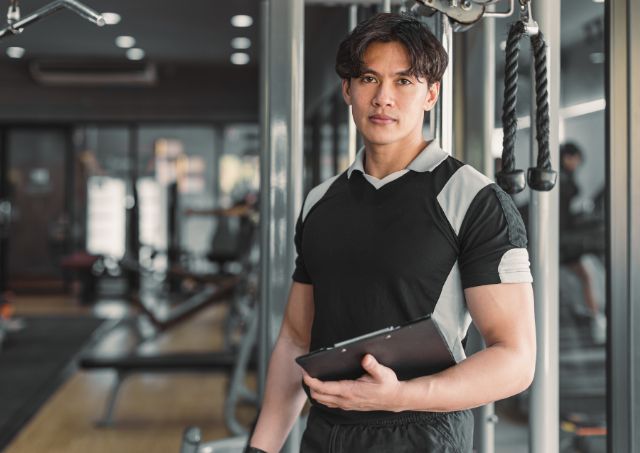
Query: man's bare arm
column 504, row 316
column 284, row 396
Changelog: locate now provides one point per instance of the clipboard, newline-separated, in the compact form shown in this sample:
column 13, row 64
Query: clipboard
column 415, row 349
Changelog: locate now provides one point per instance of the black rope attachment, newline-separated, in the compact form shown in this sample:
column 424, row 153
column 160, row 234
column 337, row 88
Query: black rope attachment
column 541, row 177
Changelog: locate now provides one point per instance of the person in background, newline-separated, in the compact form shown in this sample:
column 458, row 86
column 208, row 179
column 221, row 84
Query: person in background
column 572, row 239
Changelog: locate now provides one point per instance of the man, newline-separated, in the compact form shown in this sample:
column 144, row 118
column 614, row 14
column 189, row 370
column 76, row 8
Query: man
column 579, row 237
column 406, row 231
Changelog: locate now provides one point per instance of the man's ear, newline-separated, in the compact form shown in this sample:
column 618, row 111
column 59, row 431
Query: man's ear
column 346, row 91
column 432, row 96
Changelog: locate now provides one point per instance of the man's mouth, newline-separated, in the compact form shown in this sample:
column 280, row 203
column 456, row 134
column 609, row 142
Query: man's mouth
column 381, row 119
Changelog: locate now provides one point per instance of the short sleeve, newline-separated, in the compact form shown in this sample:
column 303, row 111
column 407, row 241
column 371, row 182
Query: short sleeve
column 300, row 273
column 493, row 241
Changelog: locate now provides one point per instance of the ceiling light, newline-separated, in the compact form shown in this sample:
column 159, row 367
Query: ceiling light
column 598, row 1
column 596, row 57
column 240, row 43
column 125, row 42
column 239, row 58
column 15, row 52
column 135, row 54
column 503, row 45
column 111, row 18
column 241, row 21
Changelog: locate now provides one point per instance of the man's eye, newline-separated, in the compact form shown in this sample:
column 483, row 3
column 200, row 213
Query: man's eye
column 367, row 79
column 404, row 82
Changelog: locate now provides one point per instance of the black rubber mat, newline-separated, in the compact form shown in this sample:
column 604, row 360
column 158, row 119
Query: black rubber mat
column 34, row 362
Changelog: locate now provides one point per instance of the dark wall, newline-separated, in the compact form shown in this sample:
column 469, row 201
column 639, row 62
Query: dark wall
column 182, row 92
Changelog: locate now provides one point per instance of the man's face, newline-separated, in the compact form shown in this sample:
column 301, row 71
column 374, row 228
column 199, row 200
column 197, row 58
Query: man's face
column 388, row 103
column 571, row 163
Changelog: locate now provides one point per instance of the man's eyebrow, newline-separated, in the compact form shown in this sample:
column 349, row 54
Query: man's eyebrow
column 404, row 72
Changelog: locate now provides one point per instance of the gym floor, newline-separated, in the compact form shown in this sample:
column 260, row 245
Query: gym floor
column 152, row 410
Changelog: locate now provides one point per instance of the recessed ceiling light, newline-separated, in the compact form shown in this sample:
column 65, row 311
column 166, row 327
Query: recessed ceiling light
column 596, row 57
column 111, row 18
column 125, row 42
column 135, row 54
column 240, row 43
column 239, row 58
column 241, row 21
column 15, row 52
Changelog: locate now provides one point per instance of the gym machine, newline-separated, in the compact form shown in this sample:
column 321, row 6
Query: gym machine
column 16, row 23
column 235, row 358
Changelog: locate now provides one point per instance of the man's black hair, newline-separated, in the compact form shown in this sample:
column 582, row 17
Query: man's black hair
column 570, row 149
column 428, row 58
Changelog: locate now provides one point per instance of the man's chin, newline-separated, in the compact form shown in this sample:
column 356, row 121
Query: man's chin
column 381, row 141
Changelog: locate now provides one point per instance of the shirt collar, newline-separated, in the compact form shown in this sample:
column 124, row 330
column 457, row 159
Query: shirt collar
column 428, row 159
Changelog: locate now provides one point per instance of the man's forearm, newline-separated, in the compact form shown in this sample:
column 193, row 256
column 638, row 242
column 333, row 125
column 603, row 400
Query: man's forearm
column 283, row 400
column 489, row 375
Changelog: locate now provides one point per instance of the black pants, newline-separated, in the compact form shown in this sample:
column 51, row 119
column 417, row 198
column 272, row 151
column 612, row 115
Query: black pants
column 450, row 432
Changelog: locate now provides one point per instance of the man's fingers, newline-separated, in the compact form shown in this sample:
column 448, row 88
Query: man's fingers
column 327, row 400
column 337, row 388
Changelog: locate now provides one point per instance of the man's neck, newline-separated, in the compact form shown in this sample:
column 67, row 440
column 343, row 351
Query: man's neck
column 382, row 160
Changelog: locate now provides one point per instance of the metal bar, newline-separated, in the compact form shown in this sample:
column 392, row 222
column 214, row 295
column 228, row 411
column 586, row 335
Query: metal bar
column 487, row 419
column 489, row 101
column 282, row 168
column 133, row 218
column 263, row 344
column 353, row 133
column 543, row 246
column 507, row 13
column 633, row 19
column 623, row 257
column 73, row 5
column 5, row 211
column 385, row 6
column 444, row 113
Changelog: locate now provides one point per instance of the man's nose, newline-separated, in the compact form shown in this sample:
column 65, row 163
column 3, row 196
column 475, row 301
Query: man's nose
column 383, row 96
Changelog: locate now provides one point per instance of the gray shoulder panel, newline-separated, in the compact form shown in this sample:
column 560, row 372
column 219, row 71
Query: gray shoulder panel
column 316, row 194
column 451, row 313
column 458, row 193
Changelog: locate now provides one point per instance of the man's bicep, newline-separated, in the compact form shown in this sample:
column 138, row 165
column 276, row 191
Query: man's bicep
column 503, row 313
column 298, row 316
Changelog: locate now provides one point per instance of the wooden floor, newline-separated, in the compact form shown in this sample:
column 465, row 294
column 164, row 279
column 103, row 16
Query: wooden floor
column 152, row 410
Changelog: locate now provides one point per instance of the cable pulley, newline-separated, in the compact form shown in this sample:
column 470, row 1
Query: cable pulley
column 541, row 177
column 463, row 14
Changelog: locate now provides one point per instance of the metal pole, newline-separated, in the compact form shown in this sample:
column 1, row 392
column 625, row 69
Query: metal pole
column 486, row 422
column 543, row 241
column 489, row 76
column 281, row 169
column 386, row 6
column 623, row 200
column 5, row 212
column 442, row 127
column 353, row 133
column 263, row 344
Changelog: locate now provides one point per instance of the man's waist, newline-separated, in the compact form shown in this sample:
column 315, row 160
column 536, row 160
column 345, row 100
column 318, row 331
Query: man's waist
column 342, row 417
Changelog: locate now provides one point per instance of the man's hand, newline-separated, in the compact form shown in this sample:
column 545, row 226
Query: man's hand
column 379, row 389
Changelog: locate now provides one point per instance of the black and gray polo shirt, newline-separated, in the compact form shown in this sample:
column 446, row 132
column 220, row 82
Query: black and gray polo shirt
column 382, row 252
